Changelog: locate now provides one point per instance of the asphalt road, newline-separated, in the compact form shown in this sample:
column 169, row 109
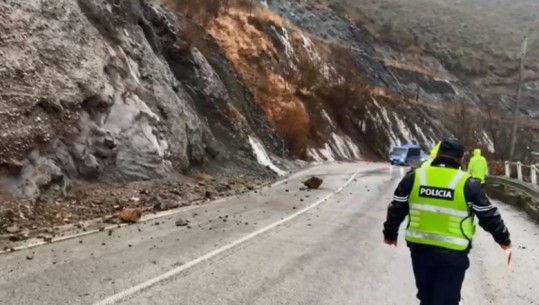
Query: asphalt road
column 280, row 245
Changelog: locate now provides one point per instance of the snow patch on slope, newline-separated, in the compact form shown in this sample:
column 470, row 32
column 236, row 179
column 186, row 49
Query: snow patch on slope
column 426, row 140
column 326, row 116
column 402, row 128
column 344, row 147
column 308, row 45
column 327, row 153
column 488, row 142
column 338, row 147
column 405, row 131
column 393, row 139
column 315, row 57
column 262, row 156
column 285, row 40
column 313, row 153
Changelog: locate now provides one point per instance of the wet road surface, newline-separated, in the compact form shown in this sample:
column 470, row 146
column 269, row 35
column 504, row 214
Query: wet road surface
column 280, row 245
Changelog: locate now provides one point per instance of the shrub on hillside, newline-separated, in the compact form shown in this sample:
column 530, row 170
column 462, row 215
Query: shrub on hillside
column 306, row 74
column 349, row 86
column 463, row 123
column 190, row 33
column 293, row 125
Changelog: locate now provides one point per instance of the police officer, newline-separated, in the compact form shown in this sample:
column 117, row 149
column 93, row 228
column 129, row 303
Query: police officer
column 477, row 167
column 441, row 202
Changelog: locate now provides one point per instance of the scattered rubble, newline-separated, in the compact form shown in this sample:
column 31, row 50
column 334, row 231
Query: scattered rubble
column 86, row 203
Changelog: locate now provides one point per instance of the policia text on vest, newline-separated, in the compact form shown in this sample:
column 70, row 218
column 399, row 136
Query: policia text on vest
column 434, row 192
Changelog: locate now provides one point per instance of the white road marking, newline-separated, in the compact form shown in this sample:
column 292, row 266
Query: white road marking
column 175, row 271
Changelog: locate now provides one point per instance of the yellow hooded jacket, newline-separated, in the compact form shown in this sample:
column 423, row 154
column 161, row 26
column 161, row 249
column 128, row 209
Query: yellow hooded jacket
column 433, row 153
column 477, row 167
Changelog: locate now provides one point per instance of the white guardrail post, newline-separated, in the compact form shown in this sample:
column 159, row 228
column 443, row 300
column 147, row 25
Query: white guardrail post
column 519, row 171
column 507, row 169
column 533, row 174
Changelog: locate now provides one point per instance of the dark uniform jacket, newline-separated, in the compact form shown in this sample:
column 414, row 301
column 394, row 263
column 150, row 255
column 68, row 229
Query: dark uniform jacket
column 489, row 217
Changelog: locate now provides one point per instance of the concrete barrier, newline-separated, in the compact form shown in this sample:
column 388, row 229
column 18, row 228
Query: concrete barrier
column 514, row 192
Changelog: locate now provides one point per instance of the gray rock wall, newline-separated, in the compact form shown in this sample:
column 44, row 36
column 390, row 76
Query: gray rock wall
column 87, row 93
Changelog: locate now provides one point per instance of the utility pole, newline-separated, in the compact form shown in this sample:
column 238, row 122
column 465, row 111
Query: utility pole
column 517, row 102
column 251, row 8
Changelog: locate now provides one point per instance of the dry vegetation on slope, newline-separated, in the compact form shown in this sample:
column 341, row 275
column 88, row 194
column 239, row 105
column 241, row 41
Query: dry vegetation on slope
column 473, row 36
column 253, row 43
column 278, row 64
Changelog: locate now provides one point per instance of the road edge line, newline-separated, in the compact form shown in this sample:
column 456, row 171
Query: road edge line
column 150, row 217
column 175, row 271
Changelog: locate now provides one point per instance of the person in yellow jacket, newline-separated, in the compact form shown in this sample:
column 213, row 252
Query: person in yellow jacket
column 433, row 153
column 477, row 167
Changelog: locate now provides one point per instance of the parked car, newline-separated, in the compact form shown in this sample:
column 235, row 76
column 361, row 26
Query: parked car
column 407, row 155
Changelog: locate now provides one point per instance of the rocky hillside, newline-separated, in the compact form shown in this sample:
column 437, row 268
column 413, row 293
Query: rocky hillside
column 326, row 98
column 478, row 41
column 106, row 104
column 106, row 91
column 97, row 94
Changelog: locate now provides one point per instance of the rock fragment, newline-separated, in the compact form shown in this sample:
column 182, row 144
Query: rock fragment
column 313, row 183
column 181, row 222
column 129, row 215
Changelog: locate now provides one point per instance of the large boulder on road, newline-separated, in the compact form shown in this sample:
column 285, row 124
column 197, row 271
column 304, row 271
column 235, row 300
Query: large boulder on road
column 313, row 183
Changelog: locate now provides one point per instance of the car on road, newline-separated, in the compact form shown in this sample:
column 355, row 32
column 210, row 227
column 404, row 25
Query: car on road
column 407, row 155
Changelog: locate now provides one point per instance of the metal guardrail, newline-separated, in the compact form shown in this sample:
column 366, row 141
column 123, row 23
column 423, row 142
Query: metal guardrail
column 528, row 187
column 533, row 170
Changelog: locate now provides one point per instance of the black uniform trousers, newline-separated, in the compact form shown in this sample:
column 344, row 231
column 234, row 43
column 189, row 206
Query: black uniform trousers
column 439, row 274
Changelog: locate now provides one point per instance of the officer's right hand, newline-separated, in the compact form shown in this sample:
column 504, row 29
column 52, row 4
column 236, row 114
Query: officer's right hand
column 506, row 247
column 390, row 242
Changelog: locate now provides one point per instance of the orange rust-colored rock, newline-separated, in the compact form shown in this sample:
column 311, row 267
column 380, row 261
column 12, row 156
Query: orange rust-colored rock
column 203, row 177
column 129, row 215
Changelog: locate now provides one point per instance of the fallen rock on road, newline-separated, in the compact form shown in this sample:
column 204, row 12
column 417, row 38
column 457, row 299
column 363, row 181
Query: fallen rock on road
column 165, row 205
column 13, row 229
column 313, row 183
column 129, row 215
column 181, row 222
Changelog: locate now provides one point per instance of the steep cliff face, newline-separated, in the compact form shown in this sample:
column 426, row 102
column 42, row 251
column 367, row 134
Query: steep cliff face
column 328, row 98
column 103, row 90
